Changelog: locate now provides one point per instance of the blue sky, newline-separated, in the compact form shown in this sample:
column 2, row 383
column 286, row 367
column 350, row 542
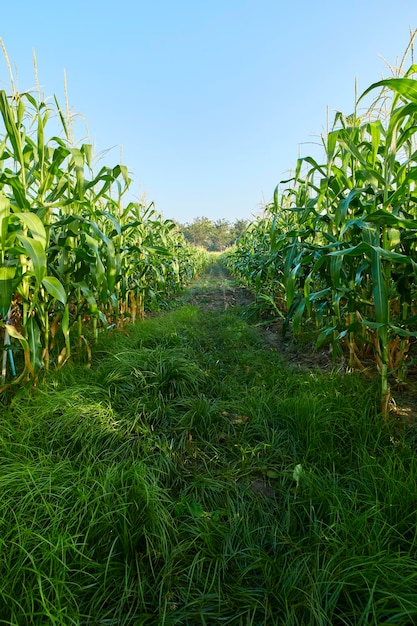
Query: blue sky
column 212, row 101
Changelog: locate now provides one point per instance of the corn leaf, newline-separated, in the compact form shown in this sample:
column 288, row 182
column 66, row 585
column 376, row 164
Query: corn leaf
column 54, row 287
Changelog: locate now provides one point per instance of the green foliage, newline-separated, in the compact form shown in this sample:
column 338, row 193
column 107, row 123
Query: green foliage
column 74, row 258
column 213, row 236
column 138, row 492
column 336, row 250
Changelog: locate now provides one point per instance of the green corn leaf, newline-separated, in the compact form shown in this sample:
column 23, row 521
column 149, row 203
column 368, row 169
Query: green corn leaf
column 8, row 285
column 370, row 176
column 368, row 249
column 113, row 270
column 276, row 199
column 317, row 295
column 65, row 327
column 121, row 169
column 114, row 221
column 19, row 192
column 359, row 272
column 386, row 218
column 98, row 269
column 315, row 165
column 298, row 314
column 394, row 330
column 352, row 149
column 403, row 86
column 101, row 235
column 290, row 288
column 87, row 150
column 4, row 219
column 89, row 296
column 324, row 335
column 77, row 161
column 331, row 144
column 376, row 129
column 32, row 101
column 54, row 287
column 36, row 253
column 380, row 292
column 35, row 344
column 34, row 224
column 342, row 209
column 11, row 128
column 61, row 117
column 402, row 332
column 356, row 222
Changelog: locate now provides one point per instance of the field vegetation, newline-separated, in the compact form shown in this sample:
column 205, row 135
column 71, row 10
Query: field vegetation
column 191, row 476
column 74, row 257
column 179, row 470
column 336, row 250
column 214, row 236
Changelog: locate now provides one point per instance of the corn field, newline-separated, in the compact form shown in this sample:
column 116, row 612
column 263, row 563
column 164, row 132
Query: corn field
column 336, row 250
column 74, row 257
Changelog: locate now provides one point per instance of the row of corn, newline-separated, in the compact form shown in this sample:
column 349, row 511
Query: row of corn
column 336, row 250
column 74, row 257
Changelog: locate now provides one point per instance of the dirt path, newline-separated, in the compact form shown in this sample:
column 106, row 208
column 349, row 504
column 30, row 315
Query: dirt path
column 215, row 290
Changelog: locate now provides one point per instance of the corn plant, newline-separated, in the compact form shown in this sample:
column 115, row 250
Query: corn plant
column 345, row 258
column 71, row 252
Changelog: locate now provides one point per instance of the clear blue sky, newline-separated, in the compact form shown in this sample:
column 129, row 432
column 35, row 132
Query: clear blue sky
column 211, row 100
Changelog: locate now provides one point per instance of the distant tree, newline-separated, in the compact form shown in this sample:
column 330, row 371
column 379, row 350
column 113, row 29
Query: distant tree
column 200, row 232
column 214, row 236
column 239, row 228
column 221, row 235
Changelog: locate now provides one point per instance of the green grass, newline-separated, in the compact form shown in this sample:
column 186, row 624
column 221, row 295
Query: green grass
column 158, row 488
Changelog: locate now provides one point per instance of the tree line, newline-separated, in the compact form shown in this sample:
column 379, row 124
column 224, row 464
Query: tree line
column 213, row 236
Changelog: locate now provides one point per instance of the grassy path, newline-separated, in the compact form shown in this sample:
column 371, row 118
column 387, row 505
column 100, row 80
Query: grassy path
column 192, row 477
column 216, row 290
